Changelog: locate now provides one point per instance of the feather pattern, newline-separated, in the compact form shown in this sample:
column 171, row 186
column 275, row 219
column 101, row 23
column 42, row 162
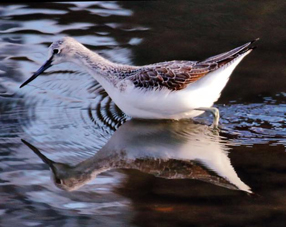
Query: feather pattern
column 177, row 75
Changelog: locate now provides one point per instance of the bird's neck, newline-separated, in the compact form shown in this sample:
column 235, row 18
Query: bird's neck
column 100, row 68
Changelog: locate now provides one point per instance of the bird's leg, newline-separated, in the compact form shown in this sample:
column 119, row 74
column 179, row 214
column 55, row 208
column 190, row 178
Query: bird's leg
column 215, row 112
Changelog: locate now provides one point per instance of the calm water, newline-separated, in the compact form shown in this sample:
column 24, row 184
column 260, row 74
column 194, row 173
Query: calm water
column 109, row 170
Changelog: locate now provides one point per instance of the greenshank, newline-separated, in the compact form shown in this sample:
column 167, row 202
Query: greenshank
column 165, row 90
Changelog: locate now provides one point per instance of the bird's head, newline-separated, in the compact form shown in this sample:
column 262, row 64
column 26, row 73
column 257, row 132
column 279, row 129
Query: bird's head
column 60, row 51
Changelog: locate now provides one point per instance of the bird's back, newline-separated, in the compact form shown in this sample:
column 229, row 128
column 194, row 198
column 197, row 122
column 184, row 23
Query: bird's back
column 177, row 75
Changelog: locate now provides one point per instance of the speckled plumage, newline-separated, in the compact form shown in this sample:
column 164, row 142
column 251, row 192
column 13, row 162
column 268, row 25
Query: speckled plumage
column 174, row 75
column 177, row 75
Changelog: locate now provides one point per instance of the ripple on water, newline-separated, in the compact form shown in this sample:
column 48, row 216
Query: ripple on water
column 69, row 115
column 255, row 123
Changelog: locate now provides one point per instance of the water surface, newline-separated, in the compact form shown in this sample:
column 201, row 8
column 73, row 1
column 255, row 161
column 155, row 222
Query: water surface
column 109, row 170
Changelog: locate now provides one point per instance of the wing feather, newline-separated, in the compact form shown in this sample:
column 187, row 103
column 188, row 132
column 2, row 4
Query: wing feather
column 176, row 75
column 172, row 75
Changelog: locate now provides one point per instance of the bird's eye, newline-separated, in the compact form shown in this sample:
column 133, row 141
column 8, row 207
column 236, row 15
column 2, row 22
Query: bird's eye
column 56, row 51
column 58, row 180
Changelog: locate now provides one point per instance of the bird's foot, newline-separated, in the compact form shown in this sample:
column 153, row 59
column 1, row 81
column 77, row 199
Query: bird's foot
column 215, row 112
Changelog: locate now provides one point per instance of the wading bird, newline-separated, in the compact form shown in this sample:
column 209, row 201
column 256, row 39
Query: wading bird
column 165, row 90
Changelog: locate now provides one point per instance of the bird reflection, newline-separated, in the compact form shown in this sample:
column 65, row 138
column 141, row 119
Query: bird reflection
column 167, row 149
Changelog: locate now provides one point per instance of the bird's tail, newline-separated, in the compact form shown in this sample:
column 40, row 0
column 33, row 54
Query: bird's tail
column 224, row 58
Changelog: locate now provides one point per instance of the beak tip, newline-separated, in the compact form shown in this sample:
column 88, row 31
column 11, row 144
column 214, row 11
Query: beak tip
column 29, row 80
column 23, row 84
column 36, row 74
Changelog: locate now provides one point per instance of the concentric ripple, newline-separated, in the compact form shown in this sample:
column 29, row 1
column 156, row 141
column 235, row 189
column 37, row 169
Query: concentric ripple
column 63, row 111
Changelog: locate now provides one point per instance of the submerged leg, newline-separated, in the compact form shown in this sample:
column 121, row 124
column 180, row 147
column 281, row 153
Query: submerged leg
column 215, row 112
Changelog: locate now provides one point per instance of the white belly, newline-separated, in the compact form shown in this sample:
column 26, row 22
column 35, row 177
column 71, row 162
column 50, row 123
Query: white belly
column 163, row 104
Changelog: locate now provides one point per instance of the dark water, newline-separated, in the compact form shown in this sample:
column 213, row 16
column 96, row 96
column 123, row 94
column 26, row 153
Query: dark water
column 109, row 170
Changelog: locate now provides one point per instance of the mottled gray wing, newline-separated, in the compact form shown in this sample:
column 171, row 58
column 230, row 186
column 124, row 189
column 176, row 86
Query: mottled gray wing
column 174, row 75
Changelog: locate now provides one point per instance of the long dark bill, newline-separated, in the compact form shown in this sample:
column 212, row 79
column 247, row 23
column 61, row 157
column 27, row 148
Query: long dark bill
column 37, row 152
column 49, row 162
column 45, row 66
